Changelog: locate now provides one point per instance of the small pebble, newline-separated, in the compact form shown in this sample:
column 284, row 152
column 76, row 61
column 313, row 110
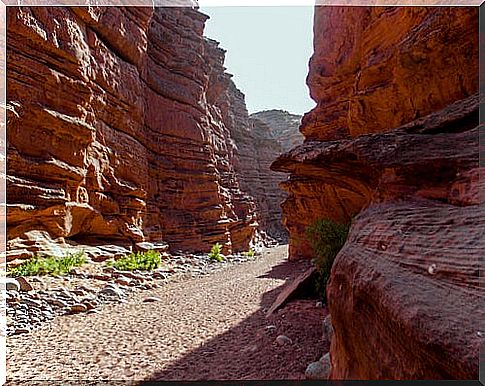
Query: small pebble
column 90, row 305
column 123, row 281
column 79, row 307
column 32, row 302
column 22, row 330
column 12, row 284
column 151, row 299
column 56, row 302
column 24, row 284
column 102, row 277
column 432, row 269
column 282, row 340
column 319, row 370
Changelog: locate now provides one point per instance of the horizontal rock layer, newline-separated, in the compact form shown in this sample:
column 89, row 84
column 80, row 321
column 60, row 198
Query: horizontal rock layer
column 378, row 56
column 408, row 279
column 118, row 133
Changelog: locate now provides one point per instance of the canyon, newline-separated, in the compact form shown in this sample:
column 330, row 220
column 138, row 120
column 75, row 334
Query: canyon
column 392, row 147
column 125, row 132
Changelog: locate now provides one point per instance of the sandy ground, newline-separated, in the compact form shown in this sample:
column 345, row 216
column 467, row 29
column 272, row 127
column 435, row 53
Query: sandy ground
column 205, row 328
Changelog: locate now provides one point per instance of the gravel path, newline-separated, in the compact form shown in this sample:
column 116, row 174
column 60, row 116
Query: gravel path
column 210, row 327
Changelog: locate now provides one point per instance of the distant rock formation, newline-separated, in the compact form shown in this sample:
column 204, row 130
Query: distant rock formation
column 283, row 126
column 124, row 128
column 273, row 132
column 393, row 147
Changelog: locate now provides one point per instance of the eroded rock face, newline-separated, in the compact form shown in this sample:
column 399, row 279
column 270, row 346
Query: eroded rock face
column 404, row 168
column 408, row 278
column 376, row 68
column 262, row 150
column 284, row 127
column 118, row 133
column 269, row 134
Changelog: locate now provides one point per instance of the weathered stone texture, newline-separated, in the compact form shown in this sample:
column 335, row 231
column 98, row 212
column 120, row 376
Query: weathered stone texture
column 284, row 127
column 393, row 147
column 117, row 133
column 376, row 68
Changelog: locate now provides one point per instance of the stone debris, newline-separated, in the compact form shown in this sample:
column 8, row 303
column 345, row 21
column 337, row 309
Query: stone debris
column 319, row 370
column 24, row 284
column 151, row 299
column 36, row 300
column 282, row 340
column 76, row 308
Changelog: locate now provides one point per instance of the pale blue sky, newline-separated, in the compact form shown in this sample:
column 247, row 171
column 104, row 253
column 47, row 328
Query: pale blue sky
column 268, row 49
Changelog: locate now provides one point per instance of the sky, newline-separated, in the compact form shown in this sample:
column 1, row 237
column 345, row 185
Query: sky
column 268, row 49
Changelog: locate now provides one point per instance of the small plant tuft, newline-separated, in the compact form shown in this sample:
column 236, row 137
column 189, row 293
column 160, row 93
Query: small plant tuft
column 142, row 261
column 215, row 253
column 249, row 253
column 326, row 238
column 49, row 265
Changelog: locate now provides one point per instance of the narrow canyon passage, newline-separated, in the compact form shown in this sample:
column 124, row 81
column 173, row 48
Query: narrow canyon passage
column 213, row 327
column 133, row 143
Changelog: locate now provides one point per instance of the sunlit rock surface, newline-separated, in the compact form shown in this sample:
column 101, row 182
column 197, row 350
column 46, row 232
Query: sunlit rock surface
column 122, row 127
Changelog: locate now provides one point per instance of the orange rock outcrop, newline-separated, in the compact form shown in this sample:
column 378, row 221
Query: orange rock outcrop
column 400, row 64
column 392, row 146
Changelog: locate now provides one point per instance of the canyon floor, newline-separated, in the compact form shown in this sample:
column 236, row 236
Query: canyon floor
column 203, row 328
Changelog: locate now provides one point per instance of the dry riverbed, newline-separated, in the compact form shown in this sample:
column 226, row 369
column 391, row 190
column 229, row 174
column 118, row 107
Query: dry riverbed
column 189, row 324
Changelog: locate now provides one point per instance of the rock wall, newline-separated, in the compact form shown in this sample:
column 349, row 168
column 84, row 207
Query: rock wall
column 401, row 64
column 283, row 126
column 273, row 132
column 118, row 134
column 375, row 68
column 393, row 147
column 264, row 149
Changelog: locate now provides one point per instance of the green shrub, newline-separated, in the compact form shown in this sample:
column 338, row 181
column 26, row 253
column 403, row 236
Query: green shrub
column 215, row 253
column 249, row 253
column 142, row 261
column 326, row 238
column 49, row 265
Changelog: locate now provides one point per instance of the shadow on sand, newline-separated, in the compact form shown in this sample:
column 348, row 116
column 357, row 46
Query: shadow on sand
column 248, row 351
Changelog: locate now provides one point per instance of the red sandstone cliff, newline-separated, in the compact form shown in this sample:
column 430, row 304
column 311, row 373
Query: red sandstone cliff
column 117, row 133
column 393, row 145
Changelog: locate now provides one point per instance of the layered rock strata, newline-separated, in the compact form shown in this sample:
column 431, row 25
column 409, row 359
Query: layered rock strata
column 393, row 147
column 376, row 68
column 386, row 70
column 253, row 146
column 272, row 133
column 259, row 152
column 117, row 134
column 284, row 127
